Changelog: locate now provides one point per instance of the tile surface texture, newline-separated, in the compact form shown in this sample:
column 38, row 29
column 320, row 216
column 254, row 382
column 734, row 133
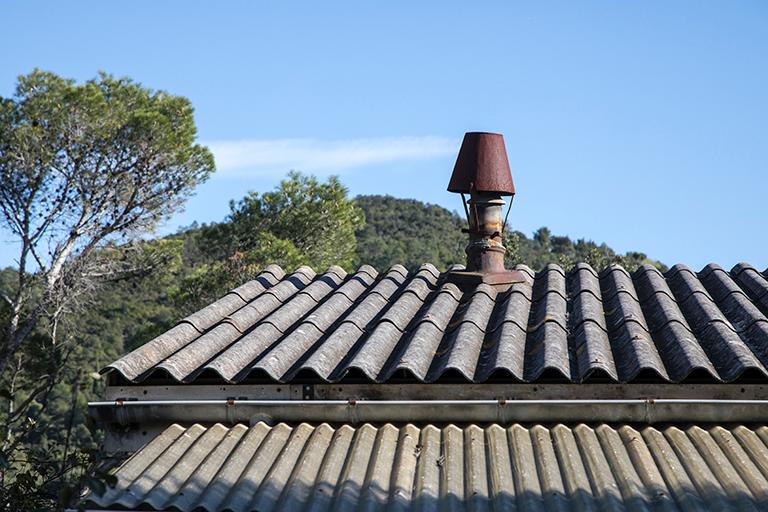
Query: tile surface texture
column 576, row 324
column 473, row 468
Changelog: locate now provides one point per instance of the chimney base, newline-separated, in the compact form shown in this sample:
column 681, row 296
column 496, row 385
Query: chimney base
column 468, row 279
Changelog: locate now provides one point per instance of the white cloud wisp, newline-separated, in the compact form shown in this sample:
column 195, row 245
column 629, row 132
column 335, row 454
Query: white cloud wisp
column 243, row 158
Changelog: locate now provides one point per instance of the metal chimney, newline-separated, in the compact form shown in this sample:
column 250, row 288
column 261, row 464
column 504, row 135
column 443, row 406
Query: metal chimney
column 482, row 172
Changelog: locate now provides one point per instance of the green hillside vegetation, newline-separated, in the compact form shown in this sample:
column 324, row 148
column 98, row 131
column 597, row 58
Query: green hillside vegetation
column 411, row 232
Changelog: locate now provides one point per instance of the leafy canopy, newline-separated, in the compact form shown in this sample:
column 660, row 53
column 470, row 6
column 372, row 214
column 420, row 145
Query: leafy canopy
column 317, row 218
column 97, row 158
column 301, row 222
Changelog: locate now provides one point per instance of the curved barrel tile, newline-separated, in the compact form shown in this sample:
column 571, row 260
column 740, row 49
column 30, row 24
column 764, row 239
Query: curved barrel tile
column 577, row 324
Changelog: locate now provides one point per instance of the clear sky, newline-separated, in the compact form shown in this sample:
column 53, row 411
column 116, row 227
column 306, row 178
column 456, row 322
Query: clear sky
column 640, row 124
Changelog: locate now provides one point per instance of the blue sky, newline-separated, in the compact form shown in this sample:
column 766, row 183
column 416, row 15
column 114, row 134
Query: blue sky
column 640, row 124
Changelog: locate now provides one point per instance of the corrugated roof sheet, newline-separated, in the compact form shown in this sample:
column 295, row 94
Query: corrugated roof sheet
column 577, row 324
column 319, row 468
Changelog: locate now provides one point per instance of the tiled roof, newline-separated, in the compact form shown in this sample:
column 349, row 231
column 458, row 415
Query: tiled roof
column 319, row 468
column 576, row 325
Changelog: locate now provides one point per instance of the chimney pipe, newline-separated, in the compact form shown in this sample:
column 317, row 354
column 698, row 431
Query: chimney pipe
column 482, row 172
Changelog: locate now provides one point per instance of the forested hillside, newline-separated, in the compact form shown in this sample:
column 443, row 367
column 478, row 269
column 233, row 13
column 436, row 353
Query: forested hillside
column 410, row 232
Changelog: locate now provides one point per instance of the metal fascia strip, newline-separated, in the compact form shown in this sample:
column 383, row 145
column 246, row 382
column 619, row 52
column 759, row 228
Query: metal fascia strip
column 435, row 411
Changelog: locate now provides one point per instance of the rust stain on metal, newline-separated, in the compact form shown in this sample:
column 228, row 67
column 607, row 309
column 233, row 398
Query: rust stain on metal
column 483, row 161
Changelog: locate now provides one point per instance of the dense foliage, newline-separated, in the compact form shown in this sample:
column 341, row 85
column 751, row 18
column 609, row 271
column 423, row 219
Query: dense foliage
column 410, row 232
column 301, row 222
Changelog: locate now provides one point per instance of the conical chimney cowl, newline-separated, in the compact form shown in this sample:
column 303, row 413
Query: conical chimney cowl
column 483, row 161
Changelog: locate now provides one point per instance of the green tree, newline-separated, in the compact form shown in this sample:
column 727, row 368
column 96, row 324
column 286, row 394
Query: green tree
column 85, row 171
column 301, row 222
column 317, row 218
column 543, row 238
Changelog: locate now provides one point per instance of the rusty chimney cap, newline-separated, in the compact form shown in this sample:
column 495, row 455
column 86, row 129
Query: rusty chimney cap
column 483, row 161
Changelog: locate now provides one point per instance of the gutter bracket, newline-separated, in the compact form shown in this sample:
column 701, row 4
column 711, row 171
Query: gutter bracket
column 503, row 410
column 120, row 413
column 230, row 408
column 352, row 411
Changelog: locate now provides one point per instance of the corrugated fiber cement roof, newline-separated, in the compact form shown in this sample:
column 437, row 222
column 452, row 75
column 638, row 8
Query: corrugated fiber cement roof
column 576, row 325
column 319, row 468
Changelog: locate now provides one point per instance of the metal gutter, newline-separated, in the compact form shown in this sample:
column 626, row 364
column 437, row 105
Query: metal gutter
column 433, row 411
